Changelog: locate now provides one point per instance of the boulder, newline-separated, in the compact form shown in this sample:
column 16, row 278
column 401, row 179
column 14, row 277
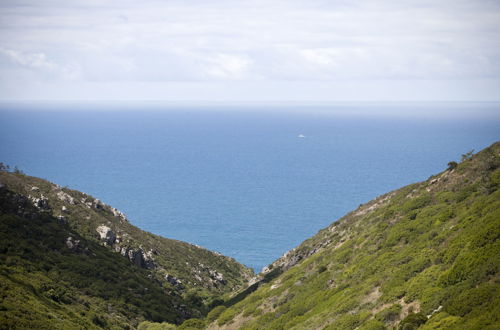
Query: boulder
column 41, row 203
column 97, row 204
column 173, row 280
column 138, row 257
column 72, row 244
column 65, row 197
column 62, row 219
column 106, row 234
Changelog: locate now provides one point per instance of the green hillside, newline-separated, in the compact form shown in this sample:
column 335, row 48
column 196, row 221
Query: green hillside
column 425, row 256
column 70, row 261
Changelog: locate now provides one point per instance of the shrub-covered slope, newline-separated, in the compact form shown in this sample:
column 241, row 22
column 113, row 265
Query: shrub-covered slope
column 68, row 259
column 425, row 256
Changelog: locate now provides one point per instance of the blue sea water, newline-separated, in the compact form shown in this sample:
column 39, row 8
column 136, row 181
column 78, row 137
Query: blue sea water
column 238, row 181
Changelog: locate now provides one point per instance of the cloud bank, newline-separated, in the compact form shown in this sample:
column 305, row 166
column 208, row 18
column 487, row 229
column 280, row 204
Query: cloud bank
column 250, row 50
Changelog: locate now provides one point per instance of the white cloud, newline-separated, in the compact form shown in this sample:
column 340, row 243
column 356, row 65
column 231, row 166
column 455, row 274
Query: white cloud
column 33, row 60
column 40, row 62
column 227, row 66
column 242, row 41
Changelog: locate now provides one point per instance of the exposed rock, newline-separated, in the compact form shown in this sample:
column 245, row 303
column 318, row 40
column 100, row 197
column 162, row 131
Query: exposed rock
column 106, row 234
column 35, row 188
column 97, row 204
column 64, row 209
column 216, row 276
column 62, row 219
column 65, row 197
column 138, row 257
column 141, row 259
column 119, row 214
column 42, row 203
column 72, row 244
column 173, row 280
column 84, row 201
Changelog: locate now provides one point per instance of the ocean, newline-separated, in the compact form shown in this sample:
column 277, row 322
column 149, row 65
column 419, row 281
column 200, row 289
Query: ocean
column 250, row 183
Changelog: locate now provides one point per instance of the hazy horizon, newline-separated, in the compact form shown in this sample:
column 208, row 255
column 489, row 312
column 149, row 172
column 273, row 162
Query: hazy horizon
column 418, row 110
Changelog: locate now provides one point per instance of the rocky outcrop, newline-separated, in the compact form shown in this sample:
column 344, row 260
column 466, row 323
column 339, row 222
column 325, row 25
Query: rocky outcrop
column 106, row 235
column 215, row 278
column 97, row 221
column 119, row 214
column 138, row 257
column 42, row 203
column 174, row 281
column 97, row 204
column 62, row 219
column 65, row 197
column 73, row 244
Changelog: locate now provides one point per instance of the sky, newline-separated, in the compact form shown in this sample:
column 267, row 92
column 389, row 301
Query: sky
column 250, row 51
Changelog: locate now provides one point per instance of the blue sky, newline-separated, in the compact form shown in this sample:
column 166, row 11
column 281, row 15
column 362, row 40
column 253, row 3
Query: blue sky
column 239, row 51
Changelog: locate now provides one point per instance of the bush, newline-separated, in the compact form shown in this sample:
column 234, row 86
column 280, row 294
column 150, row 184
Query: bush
column 452, row 165
column 412, row 321
column 192, row 324
column 226, row 316
column 215, row 313
column 156, row 326
column 373, row 325
column 389, row 314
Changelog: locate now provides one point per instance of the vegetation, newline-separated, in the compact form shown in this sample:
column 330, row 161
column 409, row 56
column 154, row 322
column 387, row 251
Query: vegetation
column 45, row 284
column 425, row 256
column 58, row 270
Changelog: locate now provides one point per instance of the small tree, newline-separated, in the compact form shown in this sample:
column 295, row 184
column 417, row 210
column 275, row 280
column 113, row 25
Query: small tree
column 467, row 155
column 4, row 167
column 452, row 165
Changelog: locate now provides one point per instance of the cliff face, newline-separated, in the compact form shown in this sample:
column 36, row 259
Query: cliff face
column 178, row 280
column 424, row 256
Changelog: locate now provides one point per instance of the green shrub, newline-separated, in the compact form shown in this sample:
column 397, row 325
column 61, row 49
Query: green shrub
column 192, row 324
column 372, row 325
column 156, row 326
column 389, row 314
column 226, row 316
column 412, row 321
column 215, row 313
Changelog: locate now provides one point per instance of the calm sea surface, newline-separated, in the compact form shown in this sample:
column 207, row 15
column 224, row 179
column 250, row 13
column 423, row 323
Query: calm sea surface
column 249, row 184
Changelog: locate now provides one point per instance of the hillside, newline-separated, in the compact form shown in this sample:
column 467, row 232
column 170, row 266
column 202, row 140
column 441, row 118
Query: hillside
column 425, row 256
column 69, row 260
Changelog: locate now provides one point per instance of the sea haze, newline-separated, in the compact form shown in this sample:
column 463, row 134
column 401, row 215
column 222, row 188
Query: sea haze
column 249, row 183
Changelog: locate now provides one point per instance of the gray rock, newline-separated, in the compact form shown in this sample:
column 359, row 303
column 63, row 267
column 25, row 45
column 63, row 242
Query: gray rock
column 72, row 244
column 106, row 234
column 42, row 203
column 97, row 204
column 65, row 197
column 173, row 280
column 119, row 214
column 139, row 257
column 62, row 219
